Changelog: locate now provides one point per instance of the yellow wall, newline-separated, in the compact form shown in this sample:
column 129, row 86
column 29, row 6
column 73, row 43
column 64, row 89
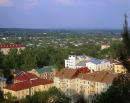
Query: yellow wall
column 6, row 50
column 119, row 68
column 79, row 85
column 23, row 93
column 2, row 85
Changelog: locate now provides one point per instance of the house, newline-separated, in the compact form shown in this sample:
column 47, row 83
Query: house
column 47, row 72
column 26, row 84
column 5, row 48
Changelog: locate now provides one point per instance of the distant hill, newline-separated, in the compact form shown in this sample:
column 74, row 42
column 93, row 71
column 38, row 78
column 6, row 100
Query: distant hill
column 58, row 30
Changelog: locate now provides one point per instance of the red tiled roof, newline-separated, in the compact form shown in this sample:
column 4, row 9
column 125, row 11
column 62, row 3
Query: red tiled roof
column 11, row 45
column 28, row 84
column 25, row 76
column 84, row 70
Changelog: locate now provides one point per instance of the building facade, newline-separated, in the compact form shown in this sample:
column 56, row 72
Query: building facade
column 118, row 67
column 27, row 88
column 2, row 83
column 74, row 61
column 47, row 72
column 5, row 48
column 89, row 84
column 26, row 84
column 99, row 65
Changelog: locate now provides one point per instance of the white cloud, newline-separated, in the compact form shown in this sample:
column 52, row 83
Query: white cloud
column 6, row 2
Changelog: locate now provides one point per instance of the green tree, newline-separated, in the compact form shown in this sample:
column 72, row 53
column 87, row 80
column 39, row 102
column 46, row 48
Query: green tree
column 119, row 92
column 11, row 59
column 28, row 59
column 10, row 99
column 126, row 41
column 53, row 95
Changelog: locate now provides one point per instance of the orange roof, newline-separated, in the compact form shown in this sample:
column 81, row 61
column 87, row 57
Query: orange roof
column 28, row 84
column 67, row 73
column 99, row 76
column 71, row 73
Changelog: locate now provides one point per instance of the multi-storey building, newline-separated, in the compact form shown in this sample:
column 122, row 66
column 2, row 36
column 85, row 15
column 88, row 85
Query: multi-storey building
column 94, row 83
column 118, row 67
column 26, row 84
column 93, row 64
column 5, row 48
column 47, row 72
column 74, row 61
column 98, row 65
column 65, row 79
column 73, row 82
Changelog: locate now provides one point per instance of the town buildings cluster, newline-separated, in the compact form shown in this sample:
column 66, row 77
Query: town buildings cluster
column 5, row 48
column 82, row 75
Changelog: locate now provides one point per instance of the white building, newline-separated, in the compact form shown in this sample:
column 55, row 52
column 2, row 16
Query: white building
column 93, row 64
column 99, row 65
column 74, row 61
column 105, row 46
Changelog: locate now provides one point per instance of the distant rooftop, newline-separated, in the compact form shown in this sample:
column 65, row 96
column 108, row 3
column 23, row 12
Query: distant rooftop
column 11, row 45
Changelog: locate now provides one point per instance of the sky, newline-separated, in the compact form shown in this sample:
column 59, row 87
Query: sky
column 60, row 14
